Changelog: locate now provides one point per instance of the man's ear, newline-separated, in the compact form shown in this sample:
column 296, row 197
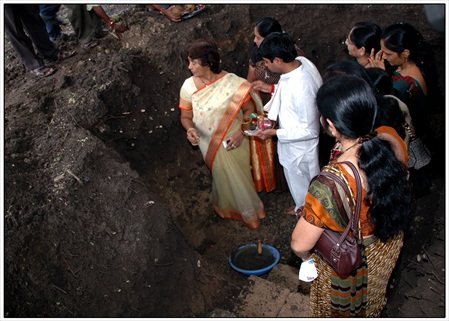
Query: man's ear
column 278, row 60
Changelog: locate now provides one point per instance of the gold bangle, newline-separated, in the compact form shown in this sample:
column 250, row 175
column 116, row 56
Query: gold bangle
column 190, row 129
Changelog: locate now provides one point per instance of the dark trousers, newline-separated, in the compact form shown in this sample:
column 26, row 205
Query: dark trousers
column 25, row 17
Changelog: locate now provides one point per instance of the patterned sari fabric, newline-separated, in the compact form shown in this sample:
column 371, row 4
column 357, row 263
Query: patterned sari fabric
column 409, row 91
column 263, row 161
column 217, row 115
column 363, row 292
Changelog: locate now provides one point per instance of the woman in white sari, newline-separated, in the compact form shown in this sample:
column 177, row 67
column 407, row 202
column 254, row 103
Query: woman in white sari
column 213, row 104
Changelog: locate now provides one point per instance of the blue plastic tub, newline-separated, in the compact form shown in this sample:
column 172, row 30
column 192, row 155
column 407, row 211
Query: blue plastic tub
column 251, row 249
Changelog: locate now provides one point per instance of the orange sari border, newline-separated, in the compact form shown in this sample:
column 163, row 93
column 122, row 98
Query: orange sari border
column 226, row 122
column 233, row 214
column 186, row 109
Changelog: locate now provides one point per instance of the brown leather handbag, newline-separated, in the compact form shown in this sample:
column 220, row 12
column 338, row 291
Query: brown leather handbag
column 342, row 251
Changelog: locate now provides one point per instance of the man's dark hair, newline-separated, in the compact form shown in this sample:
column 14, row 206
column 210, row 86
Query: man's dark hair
column 278, row 45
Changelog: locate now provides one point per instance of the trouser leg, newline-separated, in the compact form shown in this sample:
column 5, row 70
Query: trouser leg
column 48, row 13
column 298, row 186
column 81, row 22
column 35, row 28
column 97, row 23
column 21, row 43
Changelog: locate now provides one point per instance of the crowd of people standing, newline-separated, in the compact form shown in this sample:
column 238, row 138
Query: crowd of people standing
column 365, row 106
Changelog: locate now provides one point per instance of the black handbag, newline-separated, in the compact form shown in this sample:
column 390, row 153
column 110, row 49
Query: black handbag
column 418, row 154
column 341, row 250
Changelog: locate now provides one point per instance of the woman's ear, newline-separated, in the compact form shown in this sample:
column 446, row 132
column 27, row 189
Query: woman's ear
column 332, row 130
column 405, row 54
column 362, row 51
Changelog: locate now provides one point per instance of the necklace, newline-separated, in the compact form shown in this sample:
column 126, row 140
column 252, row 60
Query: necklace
column 210, row 80
column 348, row 149
column 202, row 80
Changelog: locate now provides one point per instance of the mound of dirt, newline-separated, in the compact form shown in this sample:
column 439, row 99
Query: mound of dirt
column 107, row 206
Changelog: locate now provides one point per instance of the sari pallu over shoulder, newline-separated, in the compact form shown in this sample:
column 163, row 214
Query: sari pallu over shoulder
column 328, row 206
column 225, row 123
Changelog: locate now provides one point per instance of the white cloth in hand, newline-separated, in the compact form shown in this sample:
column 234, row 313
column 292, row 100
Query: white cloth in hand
column 307, row 271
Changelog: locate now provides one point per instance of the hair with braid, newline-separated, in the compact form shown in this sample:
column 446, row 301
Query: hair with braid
column 349, row 102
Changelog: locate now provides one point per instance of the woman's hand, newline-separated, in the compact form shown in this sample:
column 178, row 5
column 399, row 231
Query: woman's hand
column 261, row 86
column 376, row 61
column 192, row 136
column 234, row 141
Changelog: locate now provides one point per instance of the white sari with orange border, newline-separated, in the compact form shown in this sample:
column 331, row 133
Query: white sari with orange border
column 217, row 115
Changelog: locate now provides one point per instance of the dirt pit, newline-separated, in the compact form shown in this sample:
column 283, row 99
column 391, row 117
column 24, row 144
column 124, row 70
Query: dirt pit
column 107, row 206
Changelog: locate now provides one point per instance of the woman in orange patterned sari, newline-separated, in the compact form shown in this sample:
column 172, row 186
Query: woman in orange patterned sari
column 213, row 104
column 347, row 104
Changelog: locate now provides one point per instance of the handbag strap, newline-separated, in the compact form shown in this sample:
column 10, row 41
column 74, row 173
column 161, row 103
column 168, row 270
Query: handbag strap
column 343, row 184
column 355, row 218
column 358, row 203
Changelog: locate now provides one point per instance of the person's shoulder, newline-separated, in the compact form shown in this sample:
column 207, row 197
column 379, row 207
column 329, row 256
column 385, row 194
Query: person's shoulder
column 230, row 75
column 306, row 62
column 188, row 80
column 189, row 84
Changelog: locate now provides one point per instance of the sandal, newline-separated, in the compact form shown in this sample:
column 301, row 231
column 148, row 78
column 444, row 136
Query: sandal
column 61, row 55
column 290, row 211
column 65, row 54
column 89, row 45
column 43, row 71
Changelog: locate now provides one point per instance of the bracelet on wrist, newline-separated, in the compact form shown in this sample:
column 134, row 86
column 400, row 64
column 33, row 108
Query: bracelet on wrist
column 190, row 129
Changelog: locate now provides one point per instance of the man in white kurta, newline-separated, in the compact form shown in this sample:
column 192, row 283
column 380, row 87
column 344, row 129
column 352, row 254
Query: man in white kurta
column 293, row 106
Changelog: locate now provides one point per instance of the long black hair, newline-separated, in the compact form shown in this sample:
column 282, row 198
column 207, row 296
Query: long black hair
column 401, row 36
column 347, row 67
column 366, row 34
column 265, row 27
column 349, row 102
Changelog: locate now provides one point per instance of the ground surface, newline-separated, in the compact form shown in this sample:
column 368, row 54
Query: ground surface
column 106, row 205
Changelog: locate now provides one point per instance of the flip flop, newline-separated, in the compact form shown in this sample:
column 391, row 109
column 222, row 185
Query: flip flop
column 61, row 55
column 198, row 9
column 43, row 72
column 65, row 54
column 89, row 45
